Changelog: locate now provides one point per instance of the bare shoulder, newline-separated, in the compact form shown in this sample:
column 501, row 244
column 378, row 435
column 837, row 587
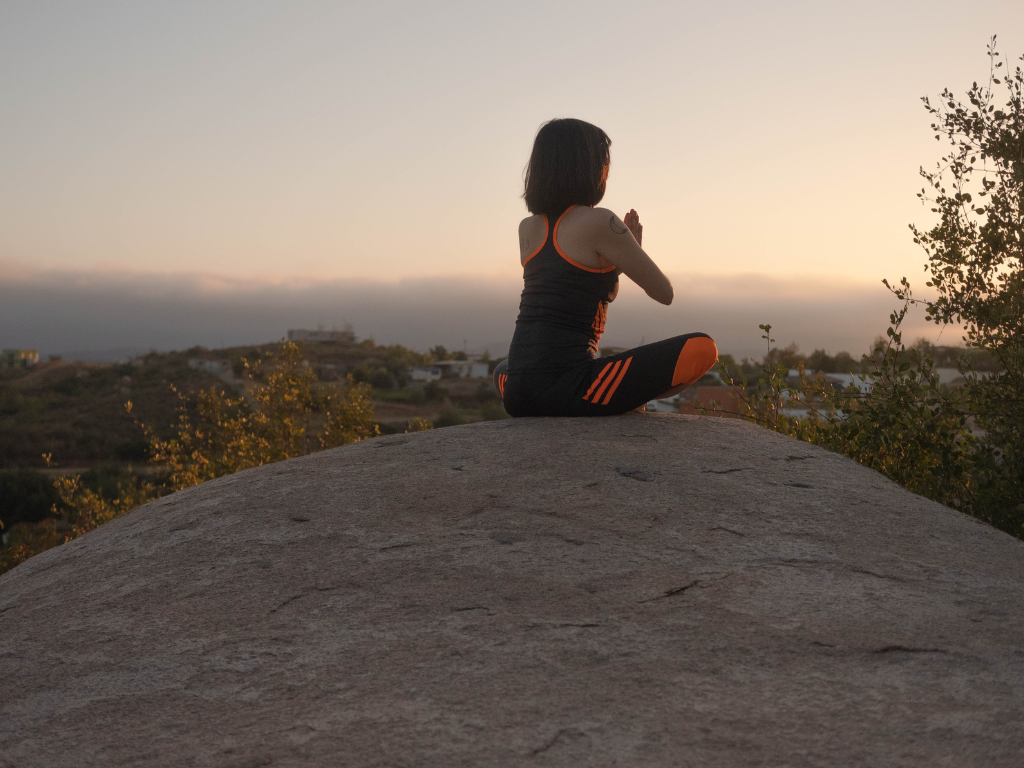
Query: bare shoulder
column 595, row 222
column 532, row 231
column 531, row 223
column 607, row 219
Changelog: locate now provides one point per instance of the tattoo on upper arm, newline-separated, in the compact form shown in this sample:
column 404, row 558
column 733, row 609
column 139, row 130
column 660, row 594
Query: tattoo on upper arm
column 617, row 226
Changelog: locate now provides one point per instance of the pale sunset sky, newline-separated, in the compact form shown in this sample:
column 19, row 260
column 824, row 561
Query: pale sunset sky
column 236, row 146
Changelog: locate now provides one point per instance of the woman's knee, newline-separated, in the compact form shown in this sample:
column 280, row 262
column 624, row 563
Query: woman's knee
column 698, row 356
column 500, row 377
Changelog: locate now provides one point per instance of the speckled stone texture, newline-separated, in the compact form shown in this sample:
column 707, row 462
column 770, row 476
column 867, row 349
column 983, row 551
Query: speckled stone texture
column 644, row 590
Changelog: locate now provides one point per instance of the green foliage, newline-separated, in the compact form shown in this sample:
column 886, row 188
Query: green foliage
column 450, row 417
column 218, row 435
column 77, row 510
column 76, row 410
column 26, row 496
column 383, row 379
column 434, row 392
column 909, row 427
column 976, row 264
column 348, row 416
column 25, row 540
column 493, row 410
column 414, row 396
column 842, row 362
column 487, row 392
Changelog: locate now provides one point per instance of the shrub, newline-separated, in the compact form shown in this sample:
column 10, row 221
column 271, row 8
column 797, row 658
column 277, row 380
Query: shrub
column 434, row 392
column 963, row 447
column 486, row 392
column 493, row 411
column 217, row 435
column 450, row 417
column 26, row 496
column 382, row 379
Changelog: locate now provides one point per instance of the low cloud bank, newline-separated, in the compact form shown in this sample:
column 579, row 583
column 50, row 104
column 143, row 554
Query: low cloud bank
column 108, row 314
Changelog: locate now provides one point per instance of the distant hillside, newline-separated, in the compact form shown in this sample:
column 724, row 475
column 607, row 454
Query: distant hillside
column 75, row 411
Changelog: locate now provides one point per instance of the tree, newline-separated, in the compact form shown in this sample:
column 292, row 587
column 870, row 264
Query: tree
column 975, row 256
column 961, row 446
column 217, row 435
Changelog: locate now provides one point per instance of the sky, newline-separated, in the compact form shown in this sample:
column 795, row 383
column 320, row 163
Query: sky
column 266, row 152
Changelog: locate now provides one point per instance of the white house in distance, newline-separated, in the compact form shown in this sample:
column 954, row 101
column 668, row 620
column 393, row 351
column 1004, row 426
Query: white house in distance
column 462, row 369
column 424, row 373
column 473, row 368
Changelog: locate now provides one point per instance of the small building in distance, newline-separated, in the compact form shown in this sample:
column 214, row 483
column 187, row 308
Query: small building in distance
column 463, row 369
column 424, row 373
column 18, row 358
column 338, row 337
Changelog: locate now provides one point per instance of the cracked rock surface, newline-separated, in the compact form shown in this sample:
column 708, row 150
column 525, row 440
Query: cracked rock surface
column 644, row 590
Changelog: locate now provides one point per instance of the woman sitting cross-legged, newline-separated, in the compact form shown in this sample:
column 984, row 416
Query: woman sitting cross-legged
column 572, row 254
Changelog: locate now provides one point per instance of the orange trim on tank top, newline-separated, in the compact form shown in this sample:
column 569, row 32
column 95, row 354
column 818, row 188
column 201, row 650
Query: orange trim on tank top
column 598, row 325
column 597, row 380
column 554, row 239
column 547, row 229
column 618, row 381
column 607, row 381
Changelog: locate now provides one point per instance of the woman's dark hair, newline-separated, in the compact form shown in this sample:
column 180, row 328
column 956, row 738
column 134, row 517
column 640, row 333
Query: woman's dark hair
column 568, row 166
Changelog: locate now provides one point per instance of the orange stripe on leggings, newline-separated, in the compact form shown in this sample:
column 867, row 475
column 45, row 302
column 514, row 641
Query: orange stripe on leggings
column 597, row 380
column 695, row 359
column 607, row 381
column 618, row 381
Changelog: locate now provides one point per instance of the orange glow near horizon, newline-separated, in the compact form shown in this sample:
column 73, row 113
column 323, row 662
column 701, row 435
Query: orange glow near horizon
column 273, row 141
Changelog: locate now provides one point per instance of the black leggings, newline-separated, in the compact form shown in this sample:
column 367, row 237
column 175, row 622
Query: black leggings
column 609, row 385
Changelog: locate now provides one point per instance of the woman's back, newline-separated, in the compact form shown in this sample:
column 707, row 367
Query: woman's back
column 564, row 302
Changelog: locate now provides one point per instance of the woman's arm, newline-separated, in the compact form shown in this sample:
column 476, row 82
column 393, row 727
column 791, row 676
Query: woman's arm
column 619, row 242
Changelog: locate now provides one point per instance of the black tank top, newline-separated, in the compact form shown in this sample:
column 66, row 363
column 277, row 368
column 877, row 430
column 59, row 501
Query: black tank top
column 562, row 309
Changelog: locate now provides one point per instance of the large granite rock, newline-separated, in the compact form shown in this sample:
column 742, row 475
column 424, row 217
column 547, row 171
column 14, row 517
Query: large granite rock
column 636, row 591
